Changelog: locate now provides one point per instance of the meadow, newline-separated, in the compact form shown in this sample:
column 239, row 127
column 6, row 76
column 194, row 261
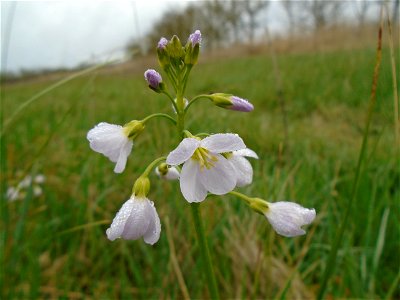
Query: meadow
column 54, row 245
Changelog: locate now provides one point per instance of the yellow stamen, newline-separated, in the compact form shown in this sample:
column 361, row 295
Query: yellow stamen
column 204, row 158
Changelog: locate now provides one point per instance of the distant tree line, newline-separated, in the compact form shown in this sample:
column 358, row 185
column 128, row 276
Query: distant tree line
column 227, row 22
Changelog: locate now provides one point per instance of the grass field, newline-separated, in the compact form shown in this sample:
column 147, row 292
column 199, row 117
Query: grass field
column 55, row 244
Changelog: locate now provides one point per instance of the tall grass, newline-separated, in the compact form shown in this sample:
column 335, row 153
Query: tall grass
column 56, row 246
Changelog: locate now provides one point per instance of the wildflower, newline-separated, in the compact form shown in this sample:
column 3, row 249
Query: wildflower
column 153, row 79
column 242, row 166
column 195, row 38
column 114, row 141
column 205, row 169
column 287, row 217
column 137, row 218
column 168, row 173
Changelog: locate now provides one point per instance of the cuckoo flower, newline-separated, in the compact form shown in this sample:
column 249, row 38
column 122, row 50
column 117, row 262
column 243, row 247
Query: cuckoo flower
column 137, row 218
column 114, row 141
column 288, row 217
column 243, row 168
column 205, row 169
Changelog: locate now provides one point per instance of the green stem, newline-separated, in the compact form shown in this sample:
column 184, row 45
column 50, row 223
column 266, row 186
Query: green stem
column 159, row 115
column 152, row 165
column 195, row 208
column 195, row 99
column 241, row 196
column 209, row 271
column 171, row 99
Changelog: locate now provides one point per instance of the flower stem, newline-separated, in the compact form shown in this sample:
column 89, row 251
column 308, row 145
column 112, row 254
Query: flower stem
column 196, row 99
column 159, row 115
column 209, row 271
column 152, row 165
column 195, row 208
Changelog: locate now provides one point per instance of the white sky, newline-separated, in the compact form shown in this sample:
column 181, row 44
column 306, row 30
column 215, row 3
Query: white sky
column 51, row 34
column 48, row 34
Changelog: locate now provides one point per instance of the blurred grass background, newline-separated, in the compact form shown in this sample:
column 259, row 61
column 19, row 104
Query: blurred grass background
column 55, row 244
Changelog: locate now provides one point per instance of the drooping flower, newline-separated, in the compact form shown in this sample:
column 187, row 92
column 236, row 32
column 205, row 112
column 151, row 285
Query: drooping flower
column 205, row 169
column 137, row 218
column 168, row 173
column 113, row 142
column 195, row 38
column 243, row 168
column 153, row 78
column 287, row 217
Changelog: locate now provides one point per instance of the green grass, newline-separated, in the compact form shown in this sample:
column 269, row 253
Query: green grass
column 46, row 254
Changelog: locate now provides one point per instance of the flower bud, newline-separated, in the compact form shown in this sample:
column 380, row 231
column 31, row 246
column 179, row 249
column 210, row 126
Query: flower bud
column 141, row 187
column 231, row 102
column 154, row 80
column 133, row 129
column 193, row 48
column 168, row 173
column 162, row 43
column 175, row 49
column 163, row 57
column 195, row 38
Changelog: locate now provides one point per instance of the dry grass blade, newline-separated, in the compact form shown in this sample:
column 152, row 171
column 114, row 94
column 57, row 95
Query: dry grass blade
column 174, row 261
column 394, row 78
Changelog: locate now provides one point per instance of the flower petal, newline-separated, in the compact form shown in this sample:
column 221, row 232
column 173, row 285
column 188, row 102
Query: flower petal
column 152, row 234
column 107, row 139
column 183, row 152
column 223, row 142
column 139, row 220
column 123, row 156
column 243, row 168
column 118, row 224
column 288, row 217
column 172, row 174
column 219, row 179
column 245, row 152
column 191, row 187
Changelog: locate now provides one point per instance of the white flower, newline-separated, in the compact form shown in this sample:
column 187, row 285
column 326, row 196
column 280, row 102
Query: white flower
column 288, row 217
column 137, row 218
column 169, row 173
column 12, row 194
column 25, row 183
column 113, row 142
column 243, row 168
column 205, row 169
column 40, row 179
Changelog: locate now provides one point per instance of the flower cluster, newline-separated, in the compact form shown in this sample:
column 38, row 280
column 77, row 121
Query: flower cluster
column 203, row 163
column 19, row 191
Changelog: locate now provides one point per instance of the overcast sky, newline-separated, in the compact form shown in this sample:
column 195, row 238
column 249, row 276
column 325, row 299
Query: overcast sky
column 52, row 34
column 48, row 34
